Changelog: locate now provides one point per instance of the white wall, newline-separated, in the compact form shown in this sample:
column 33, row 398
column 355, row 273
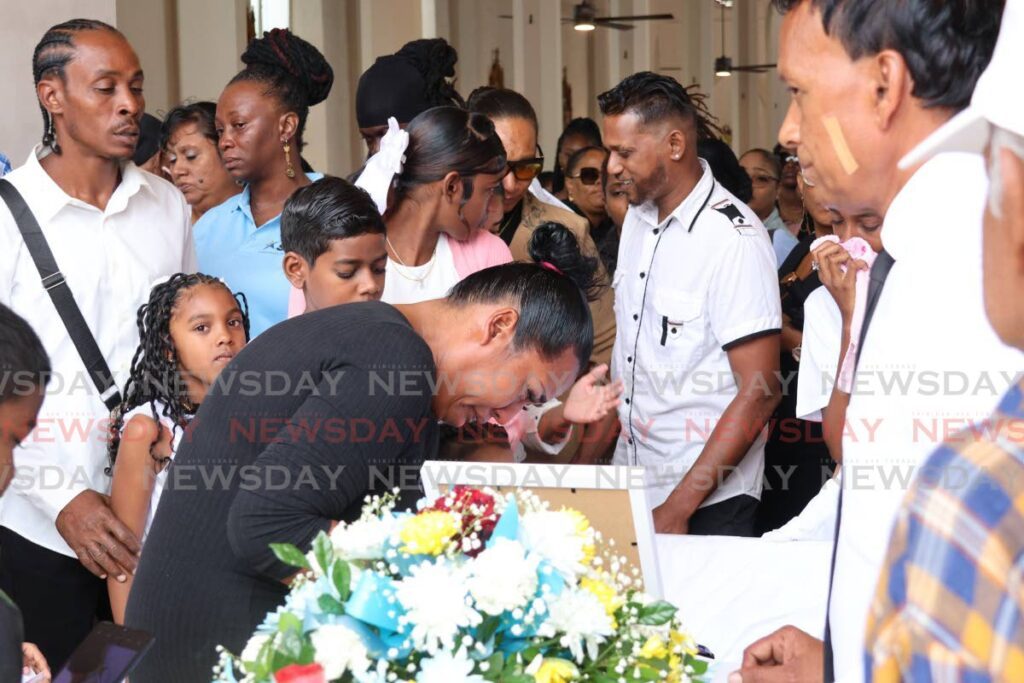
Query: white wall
column 22, row 26
column 151, row 26
column 211, row 38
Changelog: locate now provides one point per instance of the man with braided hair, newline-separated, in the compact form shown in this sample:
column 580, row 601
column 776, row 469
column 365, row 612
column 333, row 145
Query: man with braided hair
column 113, row 229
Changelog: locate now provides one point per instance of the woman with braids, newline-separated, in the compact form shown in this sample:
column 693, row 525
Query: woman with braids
column 189, row 331
column 404, row 85
column 261, row 117
column 113, row 230
column 294, row 462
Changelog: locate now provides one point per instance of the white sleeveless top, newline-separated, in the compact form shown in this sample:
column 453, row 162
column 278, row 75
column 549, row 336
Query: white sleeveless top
column 413, row 284
column 161, row 476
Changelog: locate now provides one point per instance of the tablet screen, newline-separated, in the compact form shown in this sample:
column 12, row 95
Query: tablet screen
column 107, row 655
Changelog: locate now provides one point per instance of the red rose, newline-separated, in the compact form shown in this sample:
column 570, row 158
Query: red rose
column 299, row 673
column 482, row 521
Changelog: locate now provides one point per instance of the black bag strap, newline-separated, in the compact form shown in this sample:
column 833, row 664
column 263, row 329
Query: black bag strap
column 63, row 300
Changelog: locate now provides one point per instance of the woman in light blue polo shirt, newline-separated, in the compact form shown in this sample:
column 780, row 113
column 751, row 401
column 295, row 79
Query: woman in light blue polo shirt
column 260, row 119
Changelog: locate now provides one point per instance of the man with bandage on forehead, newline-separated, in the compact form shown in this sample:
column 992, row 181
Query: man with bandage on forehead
column 869, row 82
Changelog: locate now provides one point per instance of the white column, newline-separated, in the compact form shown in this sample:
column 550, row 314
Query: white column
column 643, row 45
column 211, row 38
column 549, row 73
column 517, row 79
column 428, row 18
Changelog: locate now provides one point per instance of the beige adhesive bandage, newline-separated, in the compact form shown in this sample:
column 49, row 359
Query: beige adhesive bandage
column 835, row 133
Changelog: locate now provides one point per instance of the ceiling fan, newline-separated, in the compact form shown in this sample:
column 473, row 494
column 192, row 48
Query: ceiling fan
column 724, row 66
column 584, row 18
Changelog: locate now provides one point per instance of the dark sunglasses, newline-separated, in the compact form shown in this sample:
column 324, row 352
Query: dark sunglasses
column 588, row 175
column 528, row 169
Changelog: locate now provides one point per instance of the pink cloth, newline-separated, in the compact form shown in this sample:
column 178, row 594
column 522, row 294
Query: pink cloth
column 860, row 250
column 480, row 251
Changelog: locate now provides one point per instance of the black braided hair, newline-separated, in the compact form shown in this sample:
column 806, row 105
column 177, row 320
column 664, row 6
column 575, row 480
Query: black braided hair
column 435, row 59
column 52, row 54
column 294, row 72
column 155, row 373
column 654, row 97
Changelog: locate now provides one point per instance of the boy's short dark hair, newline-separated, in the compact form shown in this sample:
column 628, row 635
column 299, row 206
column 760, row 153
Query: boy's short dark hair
column 328, row 209
column 24, row 364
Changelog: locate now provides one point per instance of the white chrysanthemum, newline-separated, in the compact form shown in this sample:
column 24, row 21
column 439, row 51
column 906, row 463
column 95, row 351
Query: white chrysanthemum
column 364, row 539
column 252, row 648
column 581, row 619
column 555, row 537
column 445, row 667
column 339, row 649
column 436, row 604
column 503, row 577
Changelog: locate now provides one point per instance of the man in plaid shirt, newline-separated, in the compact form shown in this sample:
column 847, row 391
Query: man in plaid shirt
column 950, row 600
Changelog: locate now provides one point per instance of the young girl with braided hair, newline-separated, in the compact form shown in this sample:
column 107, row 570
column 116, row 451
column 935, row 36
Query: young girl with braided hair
column 189, row 330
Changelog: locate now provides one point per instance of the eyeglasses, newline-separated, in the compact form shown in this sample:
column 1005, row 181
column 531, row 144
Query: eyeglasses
column 588, row 175
column 792, row 159
column 528, row 169
column 763, row 180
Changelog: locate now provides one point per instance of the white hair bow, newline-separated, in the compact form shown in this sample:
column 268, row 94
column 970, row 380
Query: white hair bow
column 384, row 165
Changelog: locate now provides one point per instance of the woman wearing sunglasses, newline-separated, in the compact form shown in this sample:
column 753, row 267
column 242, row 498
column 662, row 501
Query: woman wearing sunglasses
column 584, row 184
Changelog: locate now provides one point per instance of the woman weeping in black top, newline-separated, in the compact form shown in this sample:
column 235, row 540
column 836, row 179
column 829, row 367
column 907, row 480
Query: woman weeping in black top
column 326, row 408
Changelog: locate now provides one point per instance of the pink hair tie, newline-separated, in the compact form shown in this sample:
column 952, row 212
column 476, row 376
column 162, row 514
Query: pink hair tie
column 551, row 266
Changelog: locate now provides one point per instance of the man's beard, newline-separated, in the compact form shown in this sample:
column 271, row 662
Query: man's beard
column 649, row 188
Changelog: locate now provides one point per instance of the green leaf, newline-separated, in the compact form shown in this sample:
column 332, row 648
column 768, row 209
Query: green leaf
column 604, row 678
column 700, row 666
column 323, row 551
column 330, row 605
column 659, row 664
column 656, row 613
column 290, row 555
column 289, row 622
column 518, row 678
column 341, row 577
column 487, row 629
column 495, row 667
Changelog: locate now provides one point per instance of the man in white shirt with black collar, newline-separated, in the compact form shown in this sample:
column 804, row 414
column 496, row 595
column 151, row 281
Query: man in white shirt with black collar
column 697, row 317
column 870, row 81
column 113, row 230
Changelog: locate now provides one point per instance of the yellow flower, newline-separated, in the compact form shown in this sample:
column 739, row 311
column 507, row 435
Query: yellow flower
column 428, row 533
column 605, row 594
column 654, row 648
column 584, row 532
column 556, row 671
column 683, row 641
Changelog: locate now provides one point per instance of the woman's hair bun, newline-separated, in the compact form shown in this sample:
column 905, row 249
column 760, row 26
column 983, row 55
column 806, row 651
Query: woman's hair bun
column 435, row 59
column 555, row 244
column 281, row 50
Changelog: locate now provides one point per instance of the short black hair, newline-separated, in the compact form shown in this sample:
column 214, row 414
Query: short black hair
column 501, row 103
column 946, row 43
column 653, row 97
column 551, row 293
column 327, row 209
column 24, row 364
column 203, row 114
column 583, row 127
column 773, row 160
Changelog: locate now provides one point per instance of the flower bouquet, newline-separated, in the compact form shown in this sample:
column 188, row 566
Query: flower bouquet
column 474, row 587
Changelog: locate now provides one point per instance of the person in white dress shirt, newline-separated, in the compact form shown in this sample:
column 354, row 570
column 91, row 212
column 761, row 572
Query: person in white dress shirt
column 698, row 317
column 113, row 230
column 867, row 88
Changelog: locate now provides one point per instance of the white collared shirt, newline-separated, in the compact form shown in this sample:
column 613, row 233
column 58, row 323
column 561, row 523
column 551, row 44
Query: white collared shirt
column 819, row 354
column 930, row 363
column 686, row 289
column 110, row 259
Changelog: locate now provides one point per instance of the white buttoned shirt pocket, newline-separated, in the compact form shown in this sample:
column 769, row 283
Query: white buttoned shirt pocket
column 680, row 326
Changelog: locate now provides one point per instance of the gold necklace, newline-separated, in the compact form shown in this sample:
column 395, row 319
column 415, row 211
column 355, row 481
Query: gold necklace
column 430, row 263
